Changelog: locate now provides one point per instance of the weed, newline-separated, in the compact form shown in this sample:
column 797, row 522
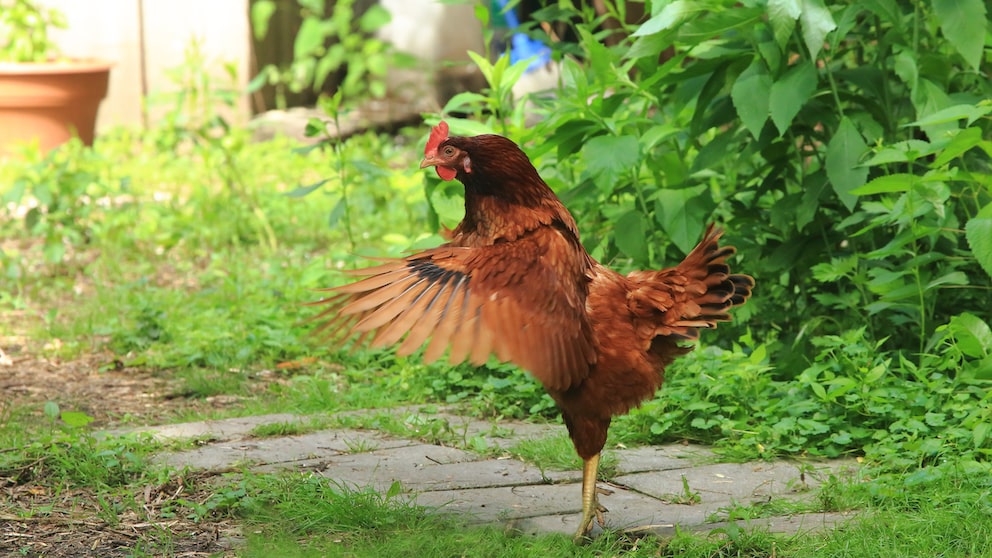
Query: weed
column 64, row 454
column 556, row 453
column 687, row 497
column 360, row 445
column 273, row 429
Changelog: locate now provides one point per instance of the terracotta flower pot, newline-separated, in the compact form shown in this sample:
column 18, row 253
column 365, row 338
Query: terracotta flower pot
column 50, row 101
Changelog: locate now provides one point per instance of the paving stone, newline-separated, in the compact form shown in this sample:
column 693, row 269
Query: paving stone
column 557, row 507
column 382, row 466
column 279, row 451
column 507, row 491
column 425, row 468
column 661, row 458
column 722, row 481
column 223, row 429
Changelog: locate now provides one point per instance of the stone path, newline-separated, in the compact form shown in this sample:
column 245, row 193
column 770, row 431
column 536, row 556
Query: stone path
column 646, row 490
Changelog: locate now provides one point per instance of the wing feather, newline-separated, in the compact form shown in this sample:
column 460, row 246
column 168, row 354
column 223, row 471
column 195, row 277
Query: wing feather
column 377, row 295
column 523, row 301
column 427, row 322
column 461, row 337
column 413, row 310
column 388, row 308
column 448, row 322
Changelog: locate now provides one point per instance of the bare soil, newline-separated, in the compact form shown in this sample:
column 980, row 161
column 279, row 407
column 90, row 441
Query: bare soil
column 70, row 522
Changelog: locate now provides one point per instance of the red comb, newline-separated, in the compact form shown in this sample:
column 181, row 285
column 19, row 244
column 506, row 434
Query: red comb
column 439, row 133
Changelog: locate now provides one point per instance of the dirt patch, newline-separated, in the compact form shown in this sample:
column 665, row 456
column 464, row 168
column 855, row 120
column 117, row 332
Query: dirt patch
column 95, row 385
column 41, row 517
column 99, row 385
column 71, row 523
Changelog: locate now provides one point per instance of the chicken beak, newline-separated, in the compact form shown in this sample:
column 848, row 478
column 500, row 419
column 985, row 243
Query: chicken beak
column 429, row 161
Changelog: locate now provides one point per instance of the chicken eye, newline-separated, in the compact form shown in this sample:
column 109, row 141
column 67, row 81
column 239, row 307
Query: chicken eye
column 448, row 151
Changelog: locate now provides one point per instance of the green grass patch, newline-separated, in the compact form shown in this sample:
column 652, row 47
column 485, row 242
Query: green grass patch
column 291, row 428
column 52, row 453
column 556, row 453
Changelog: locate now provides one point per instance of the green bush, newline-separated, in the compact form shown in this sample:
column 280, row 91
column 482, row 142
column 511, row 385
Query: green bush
column 845, row 147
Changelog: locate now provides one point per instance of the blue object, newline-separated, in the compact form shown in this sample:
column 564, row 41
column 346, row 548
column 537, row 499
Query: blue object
column 523, row 47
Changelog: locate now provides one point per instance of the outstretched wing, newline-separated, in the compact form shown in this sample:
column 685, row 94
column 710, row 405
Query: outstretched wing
column 519, row 300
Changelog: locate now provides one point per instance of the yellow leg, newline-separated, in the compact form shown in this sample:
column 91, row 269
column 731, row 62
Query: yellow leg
column 590, row 503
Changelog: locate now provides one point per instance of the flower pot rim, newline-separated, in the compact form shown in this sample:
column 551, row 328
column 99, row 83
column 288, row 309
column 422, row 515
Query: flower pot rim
column 69, row 65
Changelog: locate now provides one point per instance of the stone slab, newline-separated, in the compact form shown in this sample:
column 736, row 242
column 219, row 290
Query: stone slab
column 661, row 458
column 432, row 468
column 721, row 481
column 221, row 429
column 281, row 452
column 559, row 506
column 646, row 492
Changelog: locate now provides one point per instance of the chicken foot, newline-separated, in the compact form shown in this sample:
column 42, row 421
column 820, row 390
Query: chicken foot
column 591, row 508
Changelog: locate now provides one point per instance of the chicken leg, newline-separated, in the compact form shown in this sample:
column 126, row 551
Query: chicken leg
column 591, row 507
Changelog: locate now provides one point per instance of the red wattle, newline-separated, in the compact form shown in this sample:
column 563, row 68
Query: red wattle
column 445, row 173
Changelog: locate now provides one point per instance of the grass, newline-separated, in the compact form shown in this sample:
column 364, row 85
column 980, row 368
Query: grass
column 158, row 261
column 556, row 453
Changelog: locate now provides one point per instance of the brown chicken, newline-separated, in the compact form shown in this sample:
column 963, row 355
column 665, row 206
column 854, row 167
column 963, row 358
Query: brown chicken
column 515, row 281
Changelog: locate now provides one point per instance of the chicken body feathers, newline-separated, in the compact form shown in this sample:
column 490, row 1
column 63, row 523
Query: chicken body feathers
column 514, row 281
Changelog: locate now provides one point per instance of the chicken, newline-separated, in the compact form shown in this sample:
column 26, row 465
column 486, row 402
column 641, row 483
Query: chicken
column 513, row 280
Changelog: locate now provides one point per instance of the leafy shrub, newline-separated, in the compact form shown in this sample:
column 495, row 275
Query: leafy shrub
column 844, row 146
column 324, row 44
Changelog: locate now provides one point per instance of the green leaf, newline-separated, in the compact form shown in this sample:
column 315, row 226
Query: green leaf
column 682, row 212
column 259, row 81
column 888, row 10
column 790, row 93
column 467, row 101
column 842, row 162
column 337, row 213
column 813, row 188
column 76, row 419
column 963, row 23
column 966, row 112
column 718, row 23
column 301, row 191
column 261, row 13
column 817, row 22
column 483, row 64
column 750, row 95
column 448, row 204
column 308, row 38
column 783, row 15
column 631, row 235
column 899, row 182
column 952, row 278
column 971, row 335
column 980, row 432
column 959, row 144
column 905, row 67
column 978, row 230
column 900, row 152
column 374, row 18
column 333, row 59
column 51, row 410
column 818, row 390
column 609, row 156
column 670, row 16
column 649, row 45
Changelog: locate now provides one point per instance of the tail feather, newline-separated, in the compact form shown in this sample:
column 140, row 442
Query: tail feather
column 698, row 293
